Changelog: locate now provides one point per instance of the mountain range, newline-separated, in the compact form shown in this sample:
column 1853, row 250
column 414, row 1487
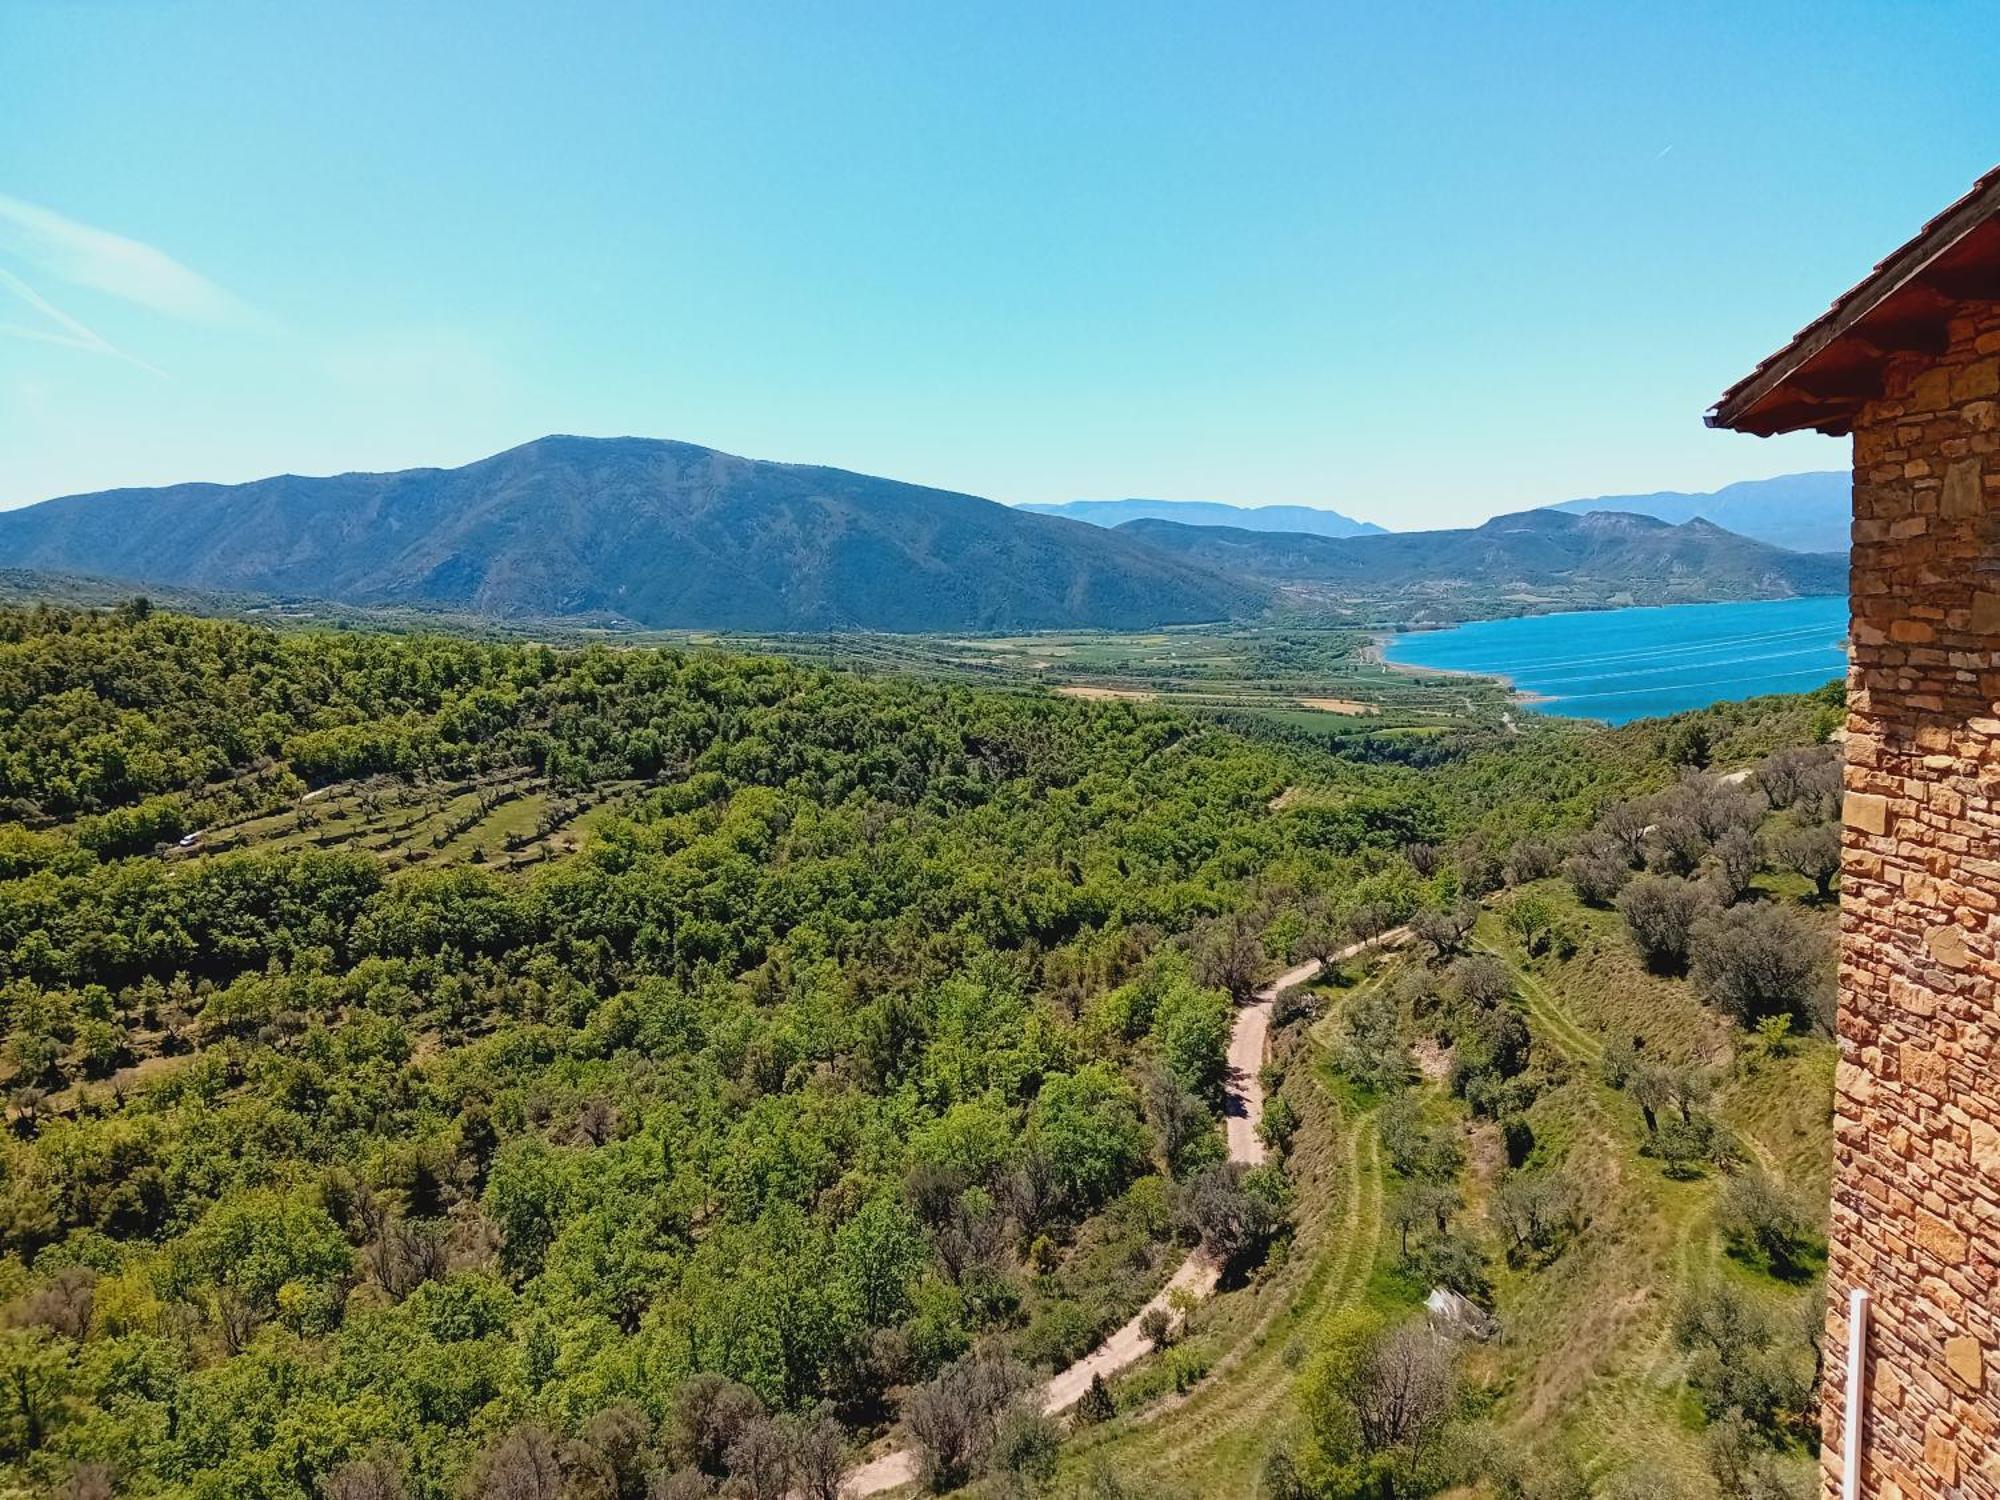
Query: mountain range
column 1532, row 561
column 1306, row 518
column 666, row 535
column 1801, row 512
column 631, row 530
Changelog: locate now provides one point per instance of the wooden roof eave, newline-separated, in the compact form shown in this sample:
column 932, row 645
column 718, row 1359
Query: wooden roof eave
column 1900, row 309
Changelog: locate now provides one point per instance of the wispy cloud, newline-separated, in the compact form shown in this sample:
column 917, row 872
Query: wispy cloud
column 69, row 332
column 54, row 246
column 131, row 270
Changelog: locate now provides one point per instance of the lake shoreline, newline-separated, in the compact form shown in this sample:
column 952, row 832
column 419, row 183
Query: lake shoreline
column 1617, row 665
column 1376, row 651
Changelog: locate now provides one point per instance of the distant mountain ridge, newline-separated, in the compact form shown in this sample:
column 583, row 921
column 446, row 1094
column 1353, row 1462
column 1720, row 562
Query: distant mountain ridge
column 1301, row 518
column 666, row 535
column 1532, row 561
column 636, row 530
column 1801, row 512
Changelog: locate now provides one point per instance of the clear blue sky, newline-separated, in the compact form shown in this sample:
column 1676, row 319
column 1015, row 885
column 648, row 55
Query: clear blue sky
column 1419, row 262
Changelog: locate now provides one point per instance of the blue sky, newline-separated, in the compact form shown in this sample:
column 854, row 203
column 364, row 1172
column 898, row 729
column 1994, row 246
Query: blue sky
column 1418, row 262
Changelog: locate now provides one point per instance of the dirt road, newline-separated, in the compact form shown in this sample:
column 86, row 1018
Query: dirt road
column 1196, row 1277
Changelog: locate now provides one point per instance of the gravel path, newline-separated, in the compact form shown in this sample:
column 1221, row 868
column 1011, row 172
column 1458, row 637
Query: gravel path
column 1243, row 1107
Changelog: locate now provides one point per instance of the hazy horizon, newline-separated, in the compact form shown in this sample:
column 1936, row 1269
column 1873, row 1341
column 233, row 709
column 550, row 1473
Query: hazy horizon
column 1417, row 266
column 1361, row 512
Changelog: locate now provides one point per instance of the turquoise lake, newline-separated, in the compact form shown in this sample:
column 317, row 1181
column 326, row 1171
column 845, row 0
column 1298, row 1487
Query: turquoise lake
column 1620, row 664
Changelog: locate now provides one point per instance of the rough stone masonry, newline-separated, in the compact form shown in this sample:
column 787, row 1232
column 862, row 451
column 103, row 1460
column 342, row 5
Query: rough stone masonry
column 1916, row 1205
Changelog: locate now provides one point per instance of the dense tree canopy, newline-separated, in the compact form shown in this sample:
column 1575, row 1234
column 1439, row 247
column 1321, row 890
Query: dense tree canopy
column 826, row 1056
column 874, row 1035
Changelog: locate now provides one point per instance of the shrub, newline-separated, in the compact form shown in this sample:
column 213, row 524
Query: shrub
column 1279, row 1124
column 1027, row 1443
column 1294, row 1004
column 1754, row 962
column 1095, row 1405
column 1372, row 1053
column 1814, row 853
column 1735, row 859
column 1661, row 913
column 1761, row 1220
column 1598, row 871
column 1685, row 1143
column 1689, row 743
column 1537, row 1215
column 1232, row 1210
column 1454, row 1260
column 956, row 1419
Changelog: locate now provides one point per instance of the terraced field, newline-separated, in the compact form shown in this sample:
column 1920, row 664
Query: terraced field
column 510, row 819
column 1590, row 1353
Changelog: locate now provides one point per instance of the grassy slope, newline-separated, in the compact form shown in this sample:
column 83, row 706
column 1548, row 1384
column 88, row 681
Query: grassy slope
column 1590, row 1356
column 1587, row 1359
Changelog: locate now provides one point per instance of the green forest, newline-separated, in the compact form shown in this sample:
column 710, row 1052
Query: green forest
column 446, row 1067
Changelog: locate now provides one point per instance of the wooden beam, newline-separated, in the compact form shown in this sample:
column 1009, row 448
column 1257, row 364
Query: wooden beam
column 1903, row 336
column 1855, row 381
column 1802, row 411
column 1965, row 283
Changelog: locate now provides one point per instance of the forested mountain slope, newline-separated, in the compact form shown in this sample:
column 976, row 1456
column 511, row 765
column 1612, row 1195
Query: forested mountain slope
column 637, row 530
column 1538, row 559
column 440, row 1068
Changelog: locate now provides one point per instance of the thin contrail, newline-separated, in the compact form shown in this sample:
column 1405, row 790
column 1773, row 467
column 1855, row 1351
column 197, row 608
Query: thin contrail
column 77, row 335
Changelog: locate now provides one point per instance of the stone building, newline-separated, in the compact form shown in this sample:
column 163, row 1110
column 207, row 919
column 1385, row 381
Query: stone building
column 1908, row 362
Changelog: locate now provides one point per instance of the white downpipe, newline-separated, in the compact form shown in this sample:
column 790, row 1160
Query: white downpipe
column 1857, row 1380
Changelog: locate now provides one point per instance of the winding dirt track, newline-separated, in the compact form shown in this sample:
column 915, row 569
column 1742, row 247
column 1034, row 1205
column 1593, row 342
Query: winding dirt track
column 1196, row 1277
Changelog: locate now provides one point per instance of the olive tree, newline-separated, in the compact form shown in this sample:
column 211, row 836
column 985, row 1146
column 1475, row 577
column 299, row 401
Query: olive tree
column 1759, row 961
column 1661, row 912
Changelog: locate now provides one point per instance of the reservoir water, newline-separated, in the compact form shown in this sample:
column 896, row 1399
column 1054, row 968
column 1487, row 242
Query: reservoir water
column 1620, row 664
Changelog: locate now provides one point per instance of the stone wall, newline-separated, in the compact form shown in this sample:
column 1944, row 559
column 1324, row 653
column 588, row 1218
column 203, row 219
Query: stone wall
column 1916, row 1211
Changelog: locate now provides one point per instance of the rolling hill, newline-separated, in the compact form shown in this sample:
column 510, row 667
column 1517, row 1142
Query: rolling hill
column 1800, row 512
column 1306, row 518
column 1518, row 564
column 632, row 530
